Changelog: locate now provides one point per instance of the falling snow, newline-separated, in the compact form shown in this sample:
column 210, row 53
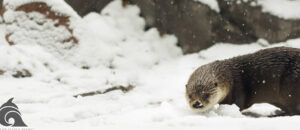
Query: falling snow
column 110, row 54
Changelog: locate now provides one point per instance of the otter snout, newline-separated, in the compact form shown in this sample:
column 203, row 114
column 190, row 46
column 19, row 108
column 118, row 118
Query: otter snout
column 197, row 105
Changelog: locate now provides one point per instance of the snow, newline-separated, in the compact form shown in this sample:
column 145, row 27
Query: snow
column 213, row 4
column 117, row 50
column 56, row 6
column 286, row 9
column 25, row 30
column 35, row 28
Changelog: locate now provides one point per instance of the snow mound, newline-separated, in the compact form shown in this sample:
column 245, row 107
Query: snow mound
column 116, row 42
column 26, row 30
column 35, row 23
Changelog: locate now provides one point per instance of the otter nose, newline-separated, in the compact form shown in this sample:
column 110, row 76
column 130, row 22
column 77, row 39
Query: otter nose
column 197, row 104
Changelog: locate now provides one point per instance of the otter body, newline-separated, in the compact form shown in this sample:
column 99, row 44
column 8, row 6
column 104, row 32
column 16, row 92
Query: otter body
column 267, row 76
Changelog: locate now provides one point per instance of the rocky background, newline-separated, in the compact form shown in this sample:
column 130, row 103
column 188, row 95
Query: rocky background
column 198, row 27
column 121, row 60
column 1, row 5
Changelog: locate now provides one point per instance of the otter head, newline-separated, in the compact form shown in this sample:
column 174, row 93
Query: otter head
column 207, row 86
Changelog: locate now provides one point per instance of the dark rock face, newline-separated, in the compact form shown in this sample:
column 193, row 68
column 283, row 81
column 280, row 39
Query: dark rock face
column 83, row 7
column 148, row 11
column 196, row 25
column 1, row 4
column 253, row 22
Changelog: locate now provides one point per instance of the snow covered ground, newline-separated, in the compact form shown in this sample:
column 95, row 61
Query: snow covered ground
column 118, row 51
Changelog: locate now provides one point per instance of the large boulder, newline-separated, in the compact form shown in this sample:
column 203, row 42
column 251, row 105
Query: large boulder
column 83, row 7
column 1, row 11
column 196, row 25
column 249, row 17
column 39, row 22
column 1, row 1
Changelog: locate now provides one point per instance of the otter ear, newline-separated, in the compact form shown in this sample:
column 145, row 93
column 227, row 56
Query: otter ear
column 186, row 86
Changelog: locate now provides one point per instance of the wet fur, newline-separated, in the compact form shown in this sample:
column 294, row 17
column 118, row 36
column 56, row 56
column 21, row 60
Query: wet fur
column 267, row 76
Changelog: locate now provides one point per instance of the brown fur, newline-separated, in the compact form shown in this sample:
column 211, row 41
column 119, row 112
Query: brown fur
column 267, row 76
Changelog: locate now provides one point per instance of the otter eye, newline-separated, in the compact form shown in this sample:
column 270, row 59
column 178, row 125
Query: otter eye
column 205, row 96
column 216, row 84
column 190, row 96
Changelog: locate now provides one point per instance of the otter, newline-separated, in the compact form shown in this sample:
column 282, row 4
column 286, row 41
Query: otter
column 266, row 76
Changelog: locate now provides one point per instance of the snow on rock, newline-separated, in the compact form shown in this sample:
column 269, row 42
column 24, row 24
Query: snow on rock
column 113, row 50
column 37, row 23
column 286, row 9
column 56, row 6
column 213, row 4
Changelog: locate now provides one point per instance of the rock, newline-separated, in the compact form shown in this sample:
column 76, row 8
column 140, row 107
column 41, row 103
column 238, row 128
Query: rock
column 1, row 5
column 253, row 22
column 1, row 1
column 2, row 72
column 97, row 92
column 148, row 9
column 83, row 7
column 24, row 22
column 195, row 24
column 22, row 74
